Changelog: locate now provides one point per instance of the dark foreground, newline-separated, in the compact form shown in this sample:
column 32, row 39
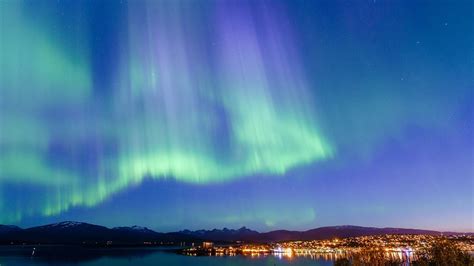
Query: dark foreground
column 441, row 252
column 75, row 255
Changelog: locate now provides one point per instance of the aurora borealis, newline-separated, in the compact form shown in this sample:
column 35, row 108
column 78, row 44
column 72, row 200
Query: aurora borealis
column 268, row 114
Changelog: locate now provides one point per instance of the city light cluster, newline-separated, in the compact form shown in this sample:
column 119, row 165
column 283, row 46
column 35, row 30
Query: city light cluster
column 396, row 247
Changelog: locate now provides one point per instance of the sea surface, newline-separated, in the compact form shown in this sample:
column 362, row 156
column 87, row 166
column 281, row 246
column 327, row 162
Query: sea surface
column 136, row 256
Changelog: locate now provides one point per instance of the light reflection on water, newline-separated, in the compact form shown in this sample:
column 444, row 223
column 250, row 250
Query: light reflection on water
column 332, row 256
column 161, row 257
column 157, row 257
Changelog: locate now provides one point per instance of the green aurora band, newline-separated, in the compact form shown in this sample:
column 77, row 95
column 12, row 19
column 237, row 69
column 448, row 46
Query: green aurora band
column 165, row 118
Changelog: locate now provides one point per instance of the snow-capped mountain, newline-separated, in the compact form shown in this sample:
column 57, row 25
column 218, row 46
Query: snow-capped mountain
column 70, row 232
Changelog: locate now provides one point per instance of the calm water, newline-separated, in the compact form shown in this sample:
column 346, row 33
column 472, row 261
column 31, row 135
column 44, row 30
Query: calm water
column 61, row 256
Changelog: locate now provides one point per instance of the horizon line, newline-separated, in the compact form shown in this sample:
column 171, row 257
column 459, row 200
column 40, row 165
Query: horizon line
column 260, row 232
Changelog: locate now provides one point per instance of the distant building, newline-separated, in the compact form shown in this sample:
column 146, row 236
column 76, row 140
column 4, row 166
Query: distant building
column 207, row 245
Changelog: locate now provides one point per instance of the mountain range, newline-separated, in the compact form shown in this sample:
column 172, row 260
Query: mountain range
column 69, row 232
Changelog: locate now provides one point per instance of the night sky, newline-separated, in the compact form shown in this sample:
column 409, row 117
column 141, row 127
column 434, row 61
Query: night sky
column 210, row 114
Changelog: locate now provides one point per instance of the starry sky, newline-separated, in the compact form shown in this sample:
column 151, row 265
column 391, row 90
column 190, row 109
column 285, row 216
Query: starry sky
column 266, row 114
